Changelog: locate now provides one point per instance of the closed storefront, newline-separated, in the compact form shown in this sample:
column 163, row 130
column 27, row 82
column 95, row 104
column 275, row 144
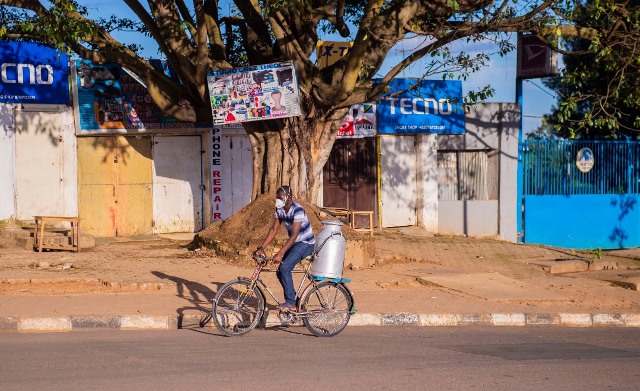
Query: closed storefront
column 45, row 180
column 350, row 176
column 115, row 185
column 177, row 184
column 37, row 140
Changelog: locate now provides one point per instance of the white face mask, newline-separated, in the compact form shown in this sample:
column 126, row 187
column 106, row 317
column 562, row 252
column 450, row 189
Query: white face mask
column 280, row 203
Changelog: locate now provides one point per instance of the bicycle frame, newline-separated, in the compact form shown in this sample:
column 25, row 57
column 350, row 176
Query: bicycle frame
column 256, row 281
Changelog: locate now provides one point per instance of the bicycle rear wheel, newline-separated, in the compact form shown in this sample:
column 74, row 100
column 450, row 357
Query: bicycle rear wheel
column 237, row 308
column 327, row 309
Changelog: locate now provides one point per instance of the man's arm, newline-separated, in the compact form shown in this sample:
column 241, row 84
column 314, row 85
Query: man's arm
column 295, row 229
column 272, row 233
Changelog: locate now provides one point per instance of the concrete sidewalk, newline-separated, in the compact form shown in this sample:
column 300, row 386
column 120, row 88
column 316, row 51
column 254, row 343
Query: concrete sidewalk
column 419, row 279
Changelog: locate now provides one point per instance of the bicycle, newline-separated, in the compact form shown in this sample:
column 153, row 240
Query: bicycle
column 324, row 306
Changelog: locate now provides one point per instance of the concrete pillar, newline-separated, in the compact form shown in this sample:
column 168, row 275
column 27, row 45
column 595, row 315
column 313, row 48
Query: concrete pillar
column 427, row 182
column 7, row 162
column 508, row 146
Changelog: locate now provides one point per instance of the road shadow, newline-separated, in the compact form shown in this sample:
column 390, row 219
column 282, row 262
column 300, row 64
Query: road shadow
column 199, row 297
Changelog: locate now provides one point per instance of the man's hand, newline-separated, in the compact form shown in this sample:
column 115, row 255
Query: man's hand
column 277, row 258
column 259, row 252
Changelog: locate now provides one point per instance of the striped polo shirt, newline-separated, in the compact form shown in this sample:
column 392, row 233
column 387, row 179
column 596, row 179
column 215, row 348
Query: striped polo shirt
column 296, row 214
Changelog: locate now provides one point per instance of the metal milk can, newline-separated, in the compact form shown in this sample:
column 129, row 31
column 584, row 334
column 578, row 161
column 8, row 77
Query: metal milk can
column 329, row 248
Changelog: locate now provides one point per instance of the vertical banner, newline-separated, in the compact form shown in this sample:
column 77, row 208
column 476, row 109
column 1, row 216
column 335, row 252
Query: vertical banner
column 254, row 93
column 328, row 52
column 359, row 122
column 216, row 174
column 33, row 73
column 424, row 106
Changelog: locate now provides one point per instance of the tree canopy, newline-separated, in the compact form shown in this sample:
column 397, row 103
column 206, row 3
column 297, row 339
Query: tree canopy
column 599, row 89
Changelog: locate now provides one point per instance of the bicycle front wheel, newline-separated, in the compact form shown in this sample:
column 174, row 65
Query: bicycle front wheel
column 326, row 309
column 237, row 308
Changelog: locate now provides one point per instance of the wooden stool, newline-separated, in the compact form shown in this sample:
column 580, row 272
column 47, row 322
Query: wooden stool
column 38, row 234
column 366, row 213
column 341, row 212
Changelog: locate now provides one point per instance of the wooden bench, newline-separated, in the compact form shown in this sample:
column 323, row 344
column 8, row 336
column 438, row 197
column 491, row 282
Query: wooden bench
column 38, row 234
column 351, row 217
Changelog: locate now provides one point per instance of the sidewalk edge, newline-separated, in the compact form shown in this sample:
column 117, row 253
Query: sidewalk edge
column 30, row 324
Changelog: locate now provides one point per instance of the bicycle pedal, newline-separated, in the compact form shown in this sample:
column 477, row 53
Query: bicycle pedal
column 286, row 317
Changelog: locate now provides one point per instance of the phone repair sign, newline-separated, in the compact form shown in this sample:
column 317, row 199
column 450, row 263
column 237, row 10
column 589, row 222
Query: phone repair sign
column 422, row 106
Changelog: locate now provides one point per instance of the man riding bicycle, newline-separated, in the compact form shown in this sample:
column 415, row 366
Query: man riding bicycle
column 298, row 246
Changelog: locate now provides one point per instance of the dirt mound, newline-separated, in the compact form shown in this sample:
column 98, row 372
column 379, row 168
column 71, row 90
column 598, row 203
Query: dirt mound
column 241, row 233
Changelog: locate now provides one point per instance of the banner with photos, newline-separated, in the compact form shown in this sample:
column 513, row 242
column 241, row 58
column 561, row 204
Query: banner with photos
column 359, row 122
column 254, row 93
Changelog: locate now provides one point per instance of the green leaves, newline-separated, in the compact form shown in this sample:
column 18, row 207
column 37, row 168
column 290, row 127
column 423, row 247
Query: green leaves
column 599, row 92
column 480, row 95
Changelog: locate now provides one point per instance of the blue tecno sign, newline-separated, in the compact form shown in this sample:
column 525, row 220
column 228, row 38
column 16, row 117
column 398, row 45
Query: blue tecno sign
column 427, row 106
column 33, row 73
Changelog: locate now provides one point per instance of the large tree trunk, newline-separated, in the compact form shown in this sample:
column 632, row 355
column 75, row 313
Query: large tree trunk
column 292, row 152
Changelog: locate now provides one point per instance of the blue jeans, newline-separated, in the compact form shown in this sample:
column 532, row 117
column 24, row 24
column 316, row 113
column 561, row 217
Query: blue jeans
column 292, row 257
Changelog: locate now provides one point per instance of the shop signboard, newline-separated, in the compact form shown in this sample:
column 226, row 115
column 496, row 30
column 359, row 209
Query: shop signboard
column 111, row 99
column 329, row 52
column 359, row 122
column 423, row 106
column 33, row 73
column 253, row 93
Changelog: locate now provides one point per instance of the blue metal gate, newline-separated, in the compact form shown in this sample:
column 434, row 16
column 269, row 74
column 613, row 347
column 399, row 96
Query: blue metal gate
column 581, row 194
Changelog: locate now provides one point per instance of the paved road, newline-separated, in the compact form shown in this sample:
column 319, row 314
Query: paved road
column 360, row 358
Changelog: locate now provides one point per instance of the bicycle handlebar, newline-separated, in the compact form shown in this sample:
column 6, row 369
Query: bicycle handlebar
column 261, row 259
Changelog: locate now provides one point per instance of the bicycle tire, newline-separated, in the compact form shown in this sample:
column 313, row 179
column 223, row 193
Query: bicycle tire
column 237, row 309
column 327, row 309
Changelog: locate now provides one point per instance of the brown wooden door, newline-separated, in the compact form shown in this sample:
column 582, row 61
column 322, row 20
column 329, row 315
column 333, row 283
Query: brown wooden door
column 350, row 176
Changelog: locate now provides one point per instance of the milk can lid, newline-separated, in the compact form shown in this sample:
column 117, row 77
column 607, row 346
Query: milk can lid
column 332, row 222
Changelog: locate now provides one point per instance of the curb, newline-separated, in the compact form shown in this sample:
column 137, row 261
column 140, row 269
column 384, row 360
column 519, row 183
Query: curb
column 11, row 324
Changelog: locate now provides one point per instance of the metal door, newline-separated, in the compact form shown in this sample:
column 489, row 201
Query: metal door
column 350, row 178
column 39, row 164
column 237, row 173
column 399, row 187
column 177, row 184
column 115, row 185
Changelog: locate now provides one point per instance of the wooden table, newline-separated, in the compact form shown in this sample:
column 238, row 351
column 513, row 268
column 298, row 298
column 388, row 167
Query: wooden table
column 351, row 216
column 38, row 234
column 366, row 213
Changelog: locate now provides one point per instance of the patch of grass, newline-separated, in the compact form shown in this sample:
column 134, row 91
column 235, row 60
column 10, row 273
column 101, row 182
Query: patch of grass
column 594, row 254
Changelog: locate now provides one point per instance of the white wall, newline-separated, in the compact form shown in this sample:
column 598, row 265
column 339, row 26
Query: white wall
column 7, row 162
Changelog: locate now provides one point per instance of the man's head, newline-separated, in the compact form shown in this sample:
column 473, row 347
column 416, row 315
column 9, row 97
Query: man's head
column 283, row 197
